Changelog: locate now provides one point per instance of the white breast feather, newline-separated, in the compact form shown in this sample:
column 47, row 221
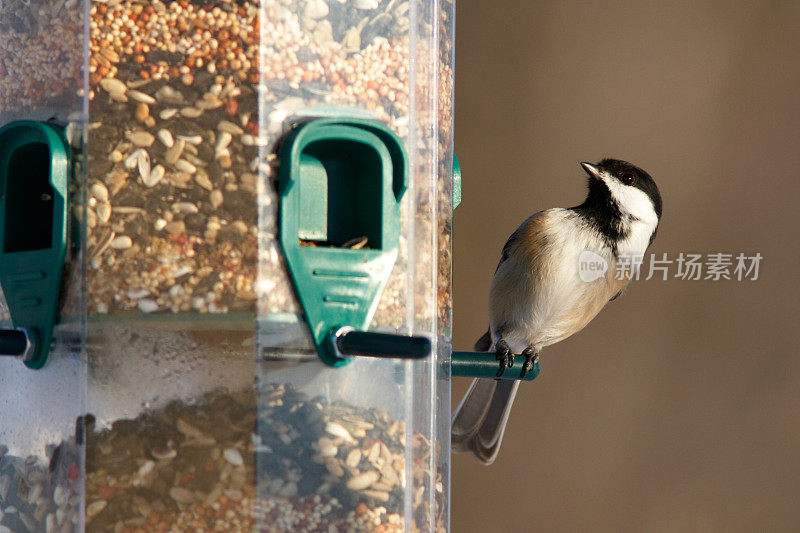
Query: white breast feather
column 541, row 304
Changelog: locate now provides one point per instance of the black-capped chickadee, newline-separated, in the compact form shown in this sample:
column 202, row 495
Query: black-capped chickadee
column 556, row 272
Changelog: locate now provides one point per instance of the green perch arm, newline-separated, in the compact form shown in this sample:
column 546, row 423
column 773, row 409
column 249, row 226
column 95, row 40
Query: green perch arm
column 484, row 365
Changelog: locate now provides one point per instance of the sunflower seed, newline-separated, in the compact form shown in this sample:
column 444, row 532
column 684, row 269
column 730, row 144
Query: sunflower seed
column 191, row 157
column 103, row 211
column 366, row 4
column 132, row 160
column 142, row 139
column 389, row 475
column 94, row 508
column 325, row 446
column 333, row 467
column 193, row 139
column 168, row 95
column 203, row 180
column 167, row 114
column 338, row 430
column 316, row 9
column 187, row 429
column 181, row 495
column 186, row 208
column 113, row 86
column 233, row 456
column 353, row 458
column 184, row 166
column 190, row 149
column 225, row 160
column 380, row 495
column 176, row 228
column 223, row 141
column 154, row 177
column 230, row 127
column 123, row 242
column 363, row 480
column 191, row 112
column 374, row 452
column 215, row 198
column 209, row 101
column 100, row 192
column 139, row 96
column 241, row 228
column 143, row 163
column 135, row 84
column 165, row 137
column 174, row 153
column 380, row 485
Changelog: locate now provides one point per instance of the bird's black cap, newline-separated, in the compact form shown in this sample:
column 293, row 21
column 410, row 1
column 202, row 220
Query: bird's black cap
column 627, row 174
column 601, row 209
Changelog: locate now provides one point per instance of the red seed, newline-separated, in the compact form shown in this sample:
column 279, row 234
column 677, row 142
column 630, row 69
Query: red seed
column 73, row 472
column 232, row 106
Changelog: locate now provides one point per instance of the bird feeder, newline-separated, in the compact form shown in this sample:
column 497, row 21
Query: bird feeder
column 225, row 264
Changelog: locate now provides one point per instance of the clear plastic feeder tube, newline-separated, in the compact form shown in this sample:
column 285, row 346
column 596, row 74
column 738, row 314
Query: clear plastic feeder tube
column 198, row 388
column 41, row 452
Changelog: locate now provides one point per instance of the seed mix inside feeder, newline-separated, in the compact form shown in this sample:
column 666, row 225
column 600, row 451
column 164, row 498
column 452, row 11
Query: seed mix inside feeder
column 187, row 103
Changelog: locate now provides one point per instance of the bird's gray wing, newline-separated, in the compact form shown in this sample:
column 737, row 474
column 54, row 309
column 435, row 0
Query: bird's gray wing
column 507, row 246
column 479, row 421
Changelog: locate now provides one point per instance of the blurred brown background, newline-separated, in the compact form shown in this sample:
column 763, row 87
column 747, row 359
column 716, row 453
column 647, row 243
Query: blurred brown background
column 678, row 407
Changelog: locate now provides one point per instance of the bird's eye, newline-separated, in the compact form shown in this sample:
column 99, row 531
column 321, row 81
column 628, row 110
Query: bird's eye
column 628, row 178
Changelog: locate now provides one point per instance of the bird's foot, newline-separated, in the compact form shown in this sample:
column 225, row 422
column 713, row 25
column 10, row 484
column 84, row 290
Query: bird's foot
column 504, row 355
column 531, row 358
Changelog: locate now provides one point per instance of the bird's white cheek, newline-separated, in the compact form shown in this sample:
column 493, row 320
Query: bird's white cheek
column 632, row 201
column 637, row 241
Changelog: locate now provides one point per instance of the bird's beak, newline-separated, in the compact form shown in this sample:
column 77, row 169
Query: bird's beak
column 592, row 170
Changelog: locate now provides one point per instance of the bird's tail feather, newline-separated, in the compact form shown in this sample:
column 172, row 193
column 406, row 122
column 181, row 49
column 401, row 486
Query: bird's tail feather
column 479, row 421
column 486, row 444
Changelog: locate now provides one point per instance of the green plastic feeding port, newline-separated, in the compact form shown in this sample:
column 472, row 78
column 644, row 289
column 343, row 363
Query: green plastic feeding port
column 34, row 173
column 341, row 182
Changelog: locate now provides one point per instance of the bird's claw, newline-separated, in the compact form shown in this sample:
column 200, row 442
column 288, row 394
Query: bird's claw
column 504, row 355
column 531, row 358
